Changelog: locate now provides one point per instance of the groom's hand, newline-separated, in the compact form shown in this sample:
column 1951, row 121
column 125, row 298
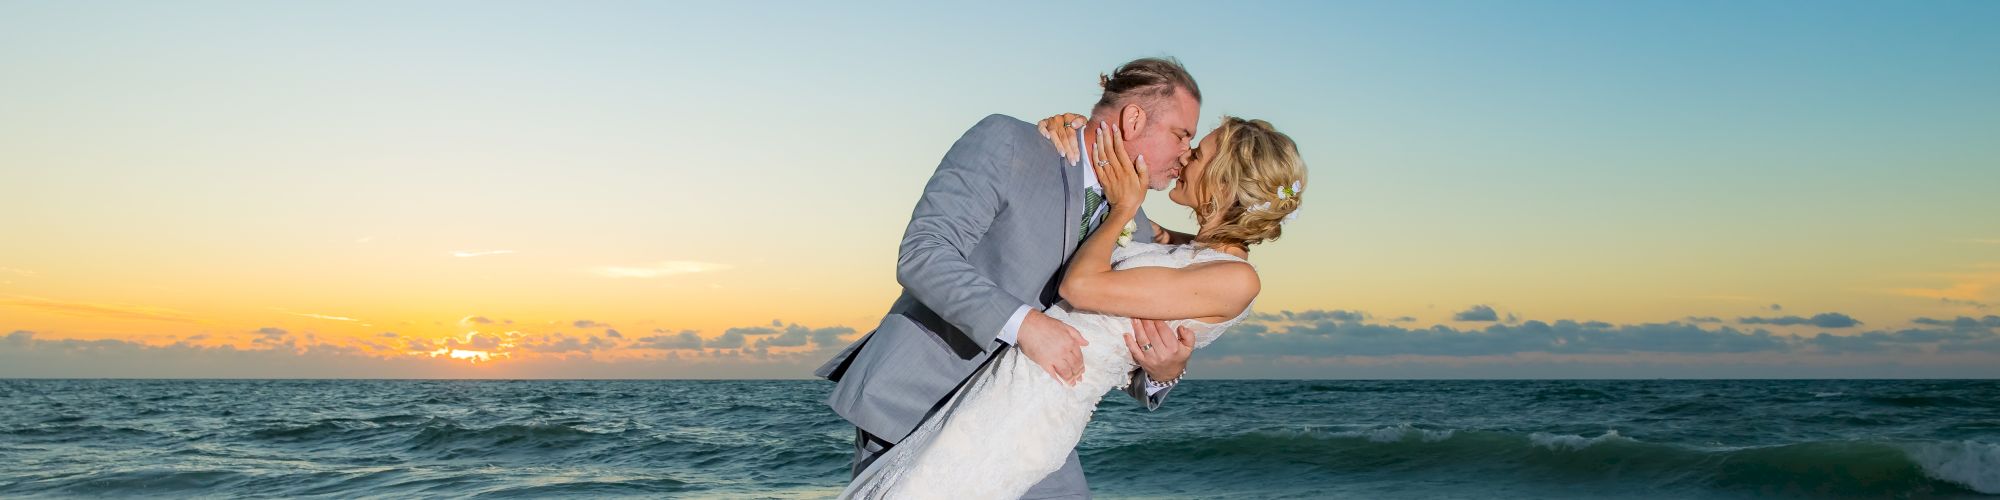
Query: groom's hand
column 1159, row 350
column 1053, row 345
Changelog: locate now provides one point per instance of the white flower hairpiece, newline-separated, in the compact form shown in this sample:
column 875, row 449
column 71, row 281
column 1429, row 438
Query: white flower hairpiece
column 1284, row 192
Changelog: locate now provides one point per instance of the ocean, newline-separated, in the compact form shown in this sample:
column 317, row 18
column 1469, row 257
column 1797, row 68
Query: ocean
column 1213, row 439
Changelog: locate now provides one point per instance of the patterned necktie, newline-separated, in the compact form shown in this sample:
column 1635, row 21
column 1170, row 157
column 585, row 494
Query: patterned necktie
column 1090, row 201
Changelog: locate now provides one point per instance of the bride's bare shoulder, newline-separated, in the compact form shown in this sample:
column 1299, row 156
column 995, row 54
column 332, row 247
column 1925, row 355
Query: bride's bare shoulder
column 1233, row 280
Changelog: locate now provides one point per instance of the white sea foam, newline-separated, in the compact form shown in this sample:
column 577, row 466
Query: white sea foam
column 1971, row 463
column 1573, row 441
column 1396, row 433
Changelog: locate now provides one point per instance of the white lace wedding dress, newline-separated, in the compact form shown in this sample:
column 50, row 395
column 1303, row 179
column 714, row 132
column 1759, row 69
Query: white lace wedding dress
column 1012, row 424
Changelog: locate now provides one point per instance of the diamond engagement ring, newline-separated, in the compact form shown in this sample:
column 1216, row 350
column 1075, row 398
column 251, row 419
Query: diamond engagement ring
column 1104, row 163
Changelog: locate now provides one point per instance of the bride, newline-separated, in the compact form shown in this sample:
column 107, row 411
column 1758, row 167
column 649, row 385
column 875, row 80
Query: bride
column 1014, row 423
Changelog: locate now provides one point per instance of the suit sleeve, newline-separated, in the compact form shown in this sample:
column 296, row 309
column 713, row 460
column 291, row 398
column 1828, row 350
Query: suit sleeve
column 1137, row 389
column 959, row 203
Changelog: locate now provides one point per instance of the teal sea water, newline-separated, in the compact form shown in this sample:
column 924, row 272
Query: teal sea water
column 1236, row 439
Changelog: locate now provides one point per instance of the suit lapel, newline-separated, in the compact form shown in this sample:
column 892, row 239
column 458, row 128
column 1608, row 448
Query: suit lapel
column 1072, row 206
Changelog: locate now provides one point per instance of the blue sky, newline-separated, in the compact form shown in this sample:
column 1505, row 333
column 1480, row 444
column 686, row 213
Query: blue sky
column 205, row 173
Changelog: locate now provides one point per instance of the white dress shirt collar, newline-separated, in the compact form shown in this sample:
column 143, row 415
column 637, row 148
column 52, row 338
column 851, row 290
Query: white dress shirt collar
column 1089, row 173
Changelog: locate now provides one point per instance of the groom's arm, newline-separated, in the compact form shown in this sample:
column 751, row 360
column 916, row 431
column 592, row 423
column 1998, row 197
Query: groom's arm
column 958, row 205
column 1143, row 390
column 1165, row 236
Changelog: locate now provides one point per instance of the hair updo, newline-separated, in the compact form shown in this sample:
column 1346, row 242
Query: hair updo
column 1251, row 164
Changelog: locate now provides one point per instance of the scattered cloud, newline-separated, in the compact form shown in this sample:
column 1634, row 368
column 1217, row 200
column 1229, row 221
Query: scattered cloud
column 1270, row 337
column 1971, row 303
column 275, row 338
column 1822, row 320
column 686, row 339
column 479, row 253
column 557, row 355
column 734, row 338
column 584, row 323
column 1962, row 322
column 318, row 316
column 476, row 341
column 21, row 272
column 475, row 320
column 92, row 310
column 795, row 336
column 660, row 269
column 1563, row 336
column 364, row 239
column 1909, row 341
column 1317, row 315
column 1476, row 313
column 1310, row 343
column 1776, row 307
column 559, row 343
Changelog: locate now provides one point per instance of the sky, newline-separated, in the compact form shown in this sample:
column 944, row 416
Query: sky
column 717, row 190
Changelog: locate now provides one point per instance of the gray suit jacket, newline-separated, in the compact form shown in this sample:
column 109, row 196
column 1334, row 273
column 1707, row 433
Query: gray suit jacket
column 994, row 230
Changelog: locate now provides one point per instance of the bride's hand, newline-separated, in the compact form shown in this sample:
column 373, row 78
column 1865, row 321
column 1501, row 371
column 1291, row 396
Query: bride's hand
column 1059, row 129
column 1123, row 178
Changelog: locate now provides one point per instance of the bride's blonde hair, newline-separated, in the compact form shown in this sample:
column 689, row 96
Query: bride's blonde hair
column 1252, row 163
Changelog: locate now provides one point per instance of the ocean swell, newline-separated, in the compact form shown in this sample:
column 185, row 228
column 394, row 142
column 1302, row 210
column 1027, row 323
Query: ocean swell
column 1830, row 468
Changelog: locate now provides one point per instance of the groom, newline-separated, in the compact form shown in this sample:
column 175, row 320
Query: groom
column 982, row 257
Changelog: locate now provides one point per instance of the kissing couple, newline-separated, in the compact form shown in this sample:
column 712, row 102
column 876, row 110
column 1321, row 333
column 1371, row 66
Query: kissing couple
column 1033, row 284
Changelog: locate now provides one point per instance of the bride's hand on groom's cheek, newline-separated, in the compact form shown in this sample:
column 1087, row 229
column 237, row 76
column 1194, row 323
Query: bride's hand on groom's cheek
column 1123, row 177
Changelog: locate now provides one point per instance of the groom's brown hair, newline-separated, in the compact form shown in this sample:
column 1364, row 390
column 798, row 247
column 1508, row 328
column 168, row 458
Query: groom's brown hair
column 1148, row 79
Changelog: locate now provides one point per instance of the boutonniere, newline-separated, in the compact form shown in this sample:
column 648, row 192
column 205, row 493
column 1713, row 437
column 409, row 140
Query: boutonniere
column 1125, row 235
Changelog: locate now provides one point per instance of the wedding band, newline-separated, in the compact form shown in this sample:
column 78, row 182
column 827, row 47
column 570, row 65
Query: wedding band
column 1147, row 347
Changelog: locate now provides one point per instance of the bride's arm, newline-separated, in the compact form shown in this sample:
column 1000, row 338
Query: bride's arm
column 1214, row 289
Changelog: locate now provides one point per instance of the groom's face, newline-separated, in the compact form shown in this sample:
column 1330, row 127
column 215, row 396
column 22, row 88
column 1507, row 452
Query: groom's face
column 1164, row 139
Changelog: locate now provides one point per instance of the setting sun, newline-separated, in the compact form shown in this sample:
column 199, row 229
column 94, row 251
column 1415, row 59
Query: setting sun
column 475, row 356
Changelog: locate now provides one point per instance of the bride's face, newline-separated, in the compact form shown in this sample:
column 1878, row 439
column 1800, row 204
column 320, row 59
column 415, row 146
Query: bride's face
column 1191, row 174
